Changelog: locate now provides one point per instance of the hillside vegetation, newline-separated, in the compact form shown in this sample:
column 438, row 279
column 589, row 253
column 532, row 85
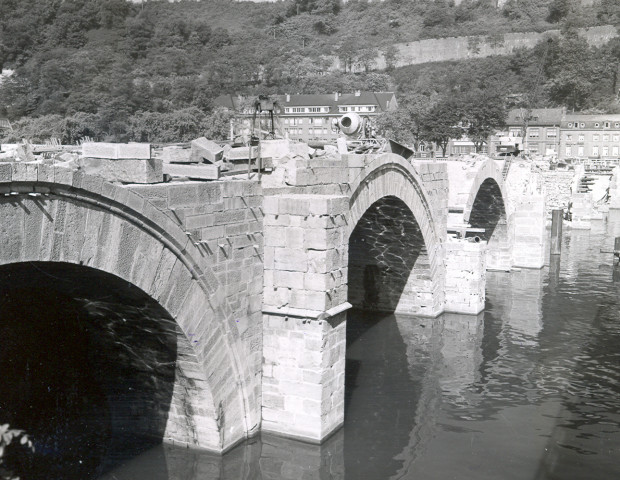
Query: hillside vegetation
column 114, row 69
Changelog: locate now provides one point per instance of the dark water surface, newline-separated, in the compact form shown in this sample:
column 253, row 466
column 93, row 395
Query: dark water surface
column 529, row 389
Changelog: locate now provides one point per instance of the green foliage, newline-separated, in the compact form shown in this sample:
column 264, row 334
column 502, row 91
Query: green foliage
column 114, row 68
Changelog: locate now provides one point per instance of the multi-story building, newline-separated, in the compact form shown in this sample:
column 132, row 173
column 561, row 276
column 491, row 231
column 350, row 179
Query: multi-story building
column 542, row 125
column 590, row 137
column 309, row 118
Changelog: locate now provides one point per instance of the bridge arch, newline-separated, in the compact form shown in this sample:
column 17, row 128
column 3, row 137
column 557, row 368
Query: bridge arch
column 390, row 190
column 82, row 220
column 478, row 201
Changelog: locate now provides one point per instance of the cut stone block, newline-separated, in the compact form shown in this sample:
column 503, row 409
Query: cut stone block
column 203, row 149
column 200, row 171
column 113, row 151
column 177, row 155
column 125, row 171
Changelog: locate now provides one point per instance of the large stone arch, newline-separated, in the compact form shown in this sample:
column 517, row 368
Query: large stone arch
column 477, row 184
column 391, row 176
column 52, row 214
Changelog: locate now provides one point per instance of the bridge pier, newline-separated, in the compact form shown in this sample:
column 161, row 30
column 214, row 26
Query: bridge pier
column 466, row 264
column 304, row 315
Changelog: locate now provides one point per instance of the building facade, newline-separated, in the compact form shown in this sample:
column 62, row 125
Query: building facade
column 590, row 137
column 542, row 130
column 308, row 118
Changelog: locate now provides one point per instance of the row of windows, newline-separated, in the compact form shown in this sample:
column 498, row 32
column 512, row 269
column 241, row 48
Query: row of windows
column 596, row 125
column 596, row 151
column 534, row 132
column 311, row 131
column 368, row 108
column 306, row 109
column 595, row 137
column 301, row 121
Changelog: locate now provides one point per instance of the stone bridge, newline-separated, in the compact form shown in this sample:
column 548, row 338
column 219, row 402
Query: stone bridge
column 253, row 279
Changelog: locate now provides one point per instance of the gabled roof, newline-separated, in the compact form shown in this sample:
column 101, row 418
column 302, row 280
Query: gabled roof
column 310, row 100
column 590, row 121
column 538, row 116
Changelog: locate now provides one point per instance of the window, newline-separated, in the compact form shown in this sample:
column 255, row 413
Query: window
column 298, row 110
column 287, row 110
column 551, row 132
column 580, row 151
column 286, row 120
column 595, row 137
column 607, row 124
column 595, row 151
column 596, row 125
column 569, row 137
column 617, row 125
column 605, row 151
column 582, row 125
column 569, row 151
column 325, row 131
column 614, row 150
column 605, row 138
column 534, row 132
column 315, row 121
column 570, row 124
column 515, row 132
column 616, row 138
column 314, row 109
column 582, row 137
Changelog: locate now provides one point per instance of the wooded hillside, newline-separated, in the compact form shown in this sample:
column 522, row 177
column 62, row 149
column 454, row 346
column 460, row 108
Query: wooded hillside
column 121, row 70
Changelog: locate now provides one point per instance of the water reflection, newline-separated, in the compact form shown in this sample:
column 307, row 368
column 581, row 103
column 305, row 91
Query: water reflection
column 530, row 389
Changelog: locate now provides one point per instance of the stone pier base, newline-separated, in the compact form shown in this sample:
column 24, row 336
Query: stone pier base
column 466, row 263
column 303, row 375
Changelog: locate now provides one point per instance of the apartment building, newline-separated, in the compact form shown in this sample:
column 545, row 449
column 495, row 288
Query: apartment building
column 590, row 137
column 309, row 118
column 542, row 136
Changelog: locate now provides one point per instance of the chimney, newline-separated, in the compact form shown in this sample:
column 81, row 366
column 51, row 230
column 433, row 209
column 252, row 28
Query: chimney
column 288, row 97
column 336, row 96
column 358, row 93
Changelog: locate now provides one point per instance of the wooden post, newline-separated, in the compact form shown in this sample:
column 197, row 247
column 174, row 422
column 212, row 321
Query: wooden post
column 556, row 231
column 617, row 248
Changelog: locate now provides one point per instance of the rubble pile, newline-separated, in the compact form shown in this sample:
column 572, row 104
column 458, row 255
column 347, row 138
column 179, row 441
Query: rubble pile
column 558, row 187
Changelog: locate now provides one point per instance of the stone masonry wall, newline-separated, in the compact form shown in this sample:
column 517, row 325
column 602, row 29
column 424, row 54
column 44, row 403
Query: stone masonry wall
column 435, row 178
column 224, row 219
column 303, row 375
column 465, row 276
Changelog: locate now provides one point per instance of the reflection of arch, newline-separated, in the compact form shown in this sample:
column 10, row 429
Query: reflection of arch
column 73, row 218
column 392, row 176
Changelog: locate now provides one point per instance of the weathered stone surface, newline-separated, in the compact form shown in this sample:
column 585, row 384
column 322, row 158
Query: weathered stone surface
column 200, row 171
column 176, row 154
column 203, row 149
column 125, row 171
column 117, row 150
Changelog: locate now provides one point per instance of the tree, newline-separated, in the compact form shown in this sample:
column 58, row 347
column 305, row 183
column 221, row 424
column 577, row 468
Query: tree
column 442, row 123
column 559, row 9
column 406, row 123
column 483, row 113
column 390, row 56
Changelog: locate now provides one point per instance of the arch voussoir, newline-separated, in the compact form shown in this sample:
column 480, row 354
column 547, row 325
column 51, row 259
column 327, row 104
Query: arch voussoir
column 390, row 176
column 84, row 220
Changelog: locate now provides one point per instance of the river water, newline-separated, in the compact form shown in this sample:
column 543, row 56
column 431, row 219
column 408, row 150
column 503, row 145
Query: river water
column 529, row 389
